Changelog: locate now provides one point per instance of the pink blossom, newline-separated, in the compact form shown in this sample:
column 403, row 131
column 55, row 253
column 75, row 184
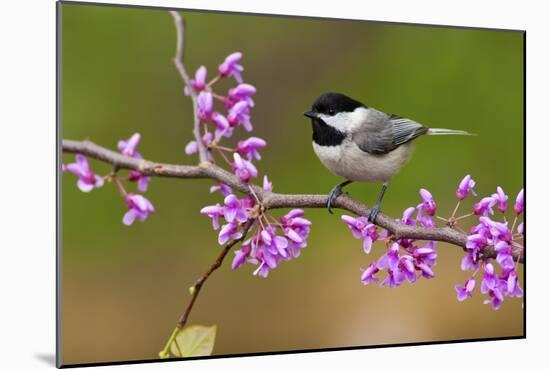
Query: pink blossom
column 361, row 228
column 501, row 199
column 239, row 114
column 520, row 203
column 230, row 67
column 407, row 217
column 142, row 180
column 369, row 274
column 267, row 185
column 429, row 205
column 229, row 231
column 87, row 179
column 129, row 148
column 240, row 93
column 465, row 187
column 222, row 125
column 192, row 147
column 244, row 169
column 139, row 207
column 250, row 147
column 199, row 83
column 223, row 188
column 485, row 206
column 463, row 292
column 214, row 212
column 205, row 104
column 234, row 209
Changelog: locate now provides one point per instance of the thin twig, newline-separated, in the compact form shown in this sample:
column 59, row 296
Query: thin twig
column 455, row 210
column 196, row 288
column 272, row 200
column 463, row 217
column 178, row 62
column 120, row 186
column 180, row 44
column 215, row 265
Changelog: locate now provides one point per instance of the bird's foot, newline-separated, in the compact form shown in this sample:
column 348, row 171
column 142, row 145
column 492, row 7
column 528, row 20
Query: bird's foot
column 373, row 213
column 332, row 196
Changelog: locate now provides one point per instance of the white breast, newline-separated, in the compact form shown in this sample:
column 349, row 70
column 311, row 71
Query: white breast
column 349, row 161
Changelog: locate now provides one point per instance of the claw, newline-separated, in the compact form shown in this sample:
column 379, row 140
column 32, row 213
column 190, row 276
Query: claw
column 334, row 193
column 373, row 213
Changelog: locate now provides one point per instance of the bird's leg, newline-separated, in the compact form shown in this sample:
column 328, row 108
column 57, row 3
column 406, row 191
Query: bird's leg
column 374, row 211
column 334, row 193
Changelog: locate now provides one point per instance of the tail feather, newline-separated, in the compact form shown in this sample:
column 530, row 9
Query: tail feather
column 443, row 131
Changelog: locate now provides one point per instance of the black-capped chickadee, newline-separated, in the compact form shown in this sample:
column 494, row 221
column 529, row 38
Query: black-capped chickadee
column 362, row 144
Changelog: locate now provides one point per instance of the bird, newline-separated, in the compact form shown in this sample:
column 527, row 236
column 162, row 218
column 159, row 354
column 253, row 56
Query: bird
column 362, row 144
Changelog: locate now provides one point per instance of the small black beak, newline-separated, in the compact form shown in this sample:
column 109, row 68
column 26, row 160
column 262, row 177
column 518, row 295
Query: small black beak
column 310, row 114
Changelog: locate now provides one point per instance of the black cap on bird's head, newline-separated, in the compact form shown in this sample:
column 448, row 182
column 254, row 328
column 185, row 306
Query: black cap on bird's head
column 332, row 103
column 330, row 117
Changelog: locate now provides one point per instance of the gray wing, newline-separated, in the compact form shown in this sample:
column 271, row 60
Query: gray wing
column 382, row 133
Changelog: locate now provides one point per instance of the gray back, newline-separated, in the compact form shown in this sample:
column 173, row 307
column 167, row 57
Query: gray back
column 382, row 133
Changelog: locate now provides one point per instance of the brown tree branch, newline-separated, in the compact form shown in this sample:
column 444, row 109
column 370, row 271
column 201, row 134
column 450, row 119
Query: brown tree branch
column 272, row 200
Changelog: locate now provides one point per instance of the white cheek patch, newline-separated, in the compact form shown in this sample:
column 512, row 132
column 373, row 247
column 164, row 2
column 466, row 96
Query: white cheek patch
column 346, row 122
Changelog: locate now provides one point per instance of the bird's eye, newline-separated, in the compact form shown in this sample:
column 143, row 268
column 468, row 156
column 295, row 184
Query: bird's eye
column 331, row 112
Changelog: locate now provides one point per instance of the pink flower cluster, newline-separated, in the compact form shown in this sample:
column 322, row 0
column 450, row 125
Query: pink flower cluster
column 139, row 207
column 237, row 101
column 272, row 240
column 268, row 246
column 404, row 259
column 503, row 238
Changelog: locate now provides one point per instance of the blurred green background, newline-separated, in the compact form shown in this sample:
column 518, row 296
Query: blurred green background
column 124, row 287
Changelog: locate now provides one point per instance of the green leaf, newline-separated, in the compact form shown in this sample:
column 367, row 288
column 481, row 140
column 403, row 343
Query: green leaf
column 195, row 340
